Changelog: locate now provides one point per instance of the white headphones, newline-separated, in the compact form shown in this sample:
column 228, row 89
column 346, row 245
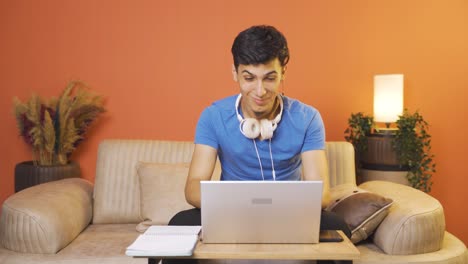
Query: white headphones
column 252, row 128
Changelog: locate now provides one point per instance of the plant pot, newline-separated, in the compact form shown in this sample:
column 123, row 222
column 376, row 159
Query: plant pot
column 380, row 161
column 380, row 154
column 27, row 174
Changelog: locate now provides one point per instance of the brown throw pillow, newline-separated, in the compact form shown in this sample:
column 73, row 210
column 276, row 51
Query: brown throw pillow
column 161, row 192
column 362, row 211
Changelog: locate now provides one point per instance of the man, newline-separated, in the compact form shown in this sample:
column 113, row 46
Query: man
column 259, row 134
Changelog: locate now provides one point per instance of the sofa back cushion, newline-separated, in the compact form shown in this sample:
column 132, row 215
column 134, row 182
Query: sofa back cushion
column 341, row 167
column 116, row 189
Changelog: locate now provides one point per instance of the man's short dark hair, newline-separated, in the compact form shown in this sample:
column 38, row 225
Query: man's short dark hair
column 258, row 45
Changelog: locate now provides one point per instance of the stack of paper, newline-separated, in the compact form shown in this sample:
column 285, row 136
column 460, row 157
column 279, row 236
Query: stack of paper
column 165, row 241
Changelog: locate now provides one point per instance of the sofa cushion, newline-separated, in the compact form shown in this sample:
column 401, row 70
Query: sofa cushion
column 415, row 223
column 116, row 188
column 361, row 210
column 46, row 217
column 161, row 192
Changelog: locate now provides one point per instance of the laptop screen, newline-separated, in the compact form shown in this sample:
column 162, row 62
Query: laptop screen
column 261, row 211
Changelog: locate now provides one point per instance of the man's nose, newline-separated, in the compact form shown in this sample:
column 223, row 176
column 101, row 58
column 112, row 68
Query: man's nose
column 260, row 88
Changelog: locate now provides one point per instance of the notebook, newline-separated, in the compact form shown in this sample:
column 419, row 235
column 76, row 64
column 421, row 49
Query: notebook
column 261, row 211
column 165, row 241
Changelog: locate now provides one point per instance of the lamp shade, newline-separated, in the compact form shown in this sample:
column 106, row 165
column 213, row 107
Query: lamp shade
column 388, row 97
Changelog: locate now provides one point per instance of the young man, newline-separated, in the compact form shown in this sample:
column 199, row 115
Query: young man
column 295, row 147
column 259, row 134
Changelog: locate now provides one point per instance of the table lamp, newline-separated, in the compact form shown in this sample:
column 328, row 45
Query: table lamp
column 388, row 98
column 380, row 161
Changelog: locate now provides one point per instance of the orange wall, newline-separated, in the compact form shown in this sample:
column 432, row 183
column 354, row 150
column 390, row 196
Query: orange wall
column 159, row 63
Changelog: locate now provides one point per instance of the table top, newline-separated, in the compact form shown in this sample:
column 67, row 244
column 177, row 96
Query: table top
column 344, row 250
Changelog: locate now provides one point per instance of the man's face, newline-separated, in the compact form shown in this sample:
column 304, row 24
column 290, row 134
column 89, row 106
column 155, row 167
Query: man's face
column 259, row 86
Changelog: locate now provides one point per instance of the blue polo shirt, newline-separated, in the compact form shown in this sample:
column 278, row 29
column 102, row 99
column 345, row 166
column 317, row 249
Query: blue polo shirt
column 300, row 129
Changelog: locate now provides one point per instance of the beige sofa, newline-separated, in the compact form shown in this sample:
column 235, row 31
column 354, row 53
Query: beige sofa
column 73, row 221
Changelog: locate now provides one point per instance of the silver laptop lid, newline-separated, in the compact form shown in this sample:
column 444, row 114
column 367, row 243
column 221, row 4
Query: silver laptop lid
column 261, row 211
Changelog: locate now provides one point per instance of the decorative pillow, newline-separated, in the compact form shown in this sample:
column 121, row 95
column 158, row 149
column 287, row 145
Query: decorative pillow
column 362, row 211
column 161, row 192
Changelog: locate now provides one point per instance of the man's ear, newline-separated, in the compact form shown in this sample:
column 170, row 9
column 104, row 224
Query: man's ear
column 234, row 73
column 283, row 73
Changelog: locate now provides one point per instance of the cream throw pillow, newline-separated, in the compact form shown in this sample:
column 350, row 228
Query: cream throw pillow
column 161, row 192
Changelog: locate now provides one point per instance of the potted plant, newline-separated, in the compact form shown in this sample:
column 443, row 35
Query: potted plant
column 360, row 127
column 413, row 145
column 54, row 129
column 410, row 144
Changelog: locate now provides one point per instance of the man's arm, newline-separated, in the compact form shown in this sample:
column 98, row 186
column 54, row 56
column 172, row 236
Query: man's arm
column 315, row 167
column 201, row 169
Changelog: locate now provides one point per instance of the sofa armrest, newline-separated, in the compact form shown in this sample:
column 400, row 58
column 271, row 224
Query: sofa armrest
column 46, row 217
column 415, row 223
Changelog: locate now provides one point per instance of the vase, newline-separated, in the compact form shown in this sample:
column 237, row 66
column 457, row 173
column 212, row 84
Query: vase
column 28, row 174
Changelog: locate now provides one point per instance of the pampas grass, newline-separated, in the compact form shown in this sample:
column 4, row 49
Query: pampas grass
column 56, row 127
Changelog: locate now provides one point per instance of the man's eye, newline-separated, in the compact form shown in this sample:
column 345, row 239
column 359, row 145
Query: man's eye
column 272, row 79
column 249, row 79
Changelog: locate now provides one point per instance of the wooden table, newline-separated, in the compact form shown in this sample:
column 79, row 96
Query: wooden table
column 344, row 251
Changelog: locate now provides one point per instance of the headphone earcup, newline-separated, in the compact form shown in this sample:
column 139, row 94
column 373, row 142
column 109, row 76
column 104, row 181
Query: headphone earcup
column 250, row 127
column 267, row 128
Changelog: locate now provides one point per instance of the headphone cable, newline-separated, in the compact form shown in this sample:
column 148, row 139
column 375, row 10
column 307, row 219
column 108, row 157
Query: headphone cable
column 272, row 163
column 260, row 162
column 258, row 157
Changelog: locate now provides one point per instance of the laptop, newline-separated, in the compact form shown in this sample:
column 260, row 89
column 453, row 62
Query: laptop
column 261, row 211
